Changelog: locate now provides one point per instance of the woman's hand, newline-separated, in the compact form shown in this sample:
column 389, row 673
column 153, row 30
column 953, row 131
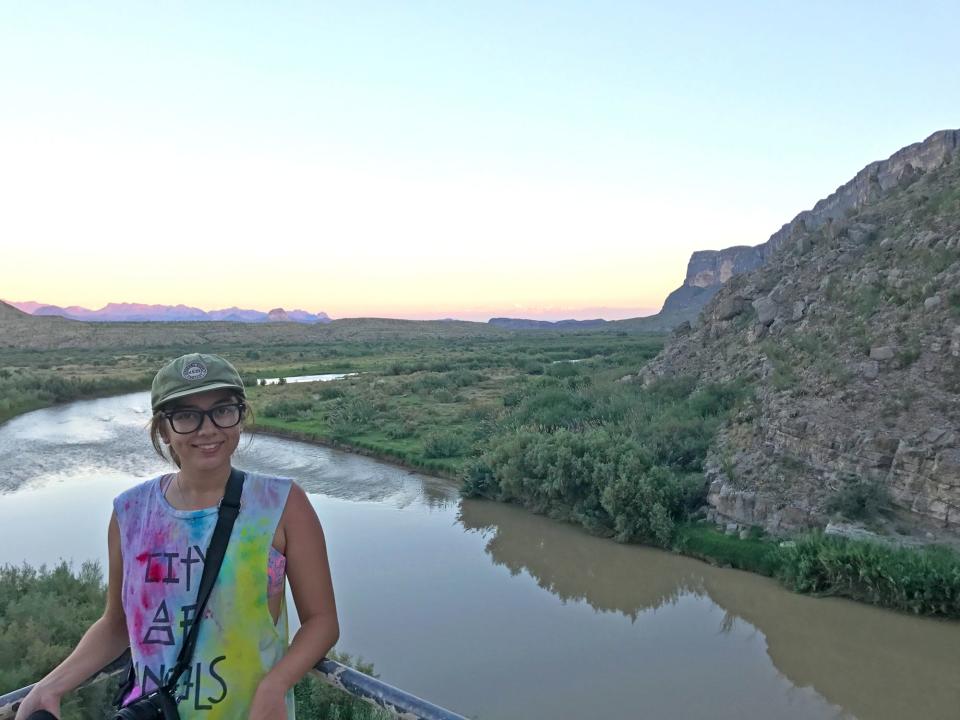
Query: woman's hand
column 38, row 699
column 269, row 702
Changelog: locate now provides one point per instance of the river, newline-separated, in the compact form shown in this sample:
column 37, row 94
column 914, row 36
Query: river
column 498, row 613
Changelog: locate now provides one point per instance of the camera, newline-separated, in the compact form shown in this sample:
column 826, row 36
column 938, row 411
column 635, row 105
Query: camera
column 158, row 705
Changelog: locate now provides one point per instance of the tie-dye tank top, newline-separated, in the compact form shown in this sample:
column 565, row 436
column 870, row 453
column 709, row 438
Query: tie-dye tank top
column 163, row 553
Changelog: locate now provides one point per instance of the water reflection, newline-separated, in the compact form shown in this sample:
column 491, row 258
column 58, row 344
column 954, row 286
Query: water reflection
column 575, row 566
column 871, row 662
column 81, row 440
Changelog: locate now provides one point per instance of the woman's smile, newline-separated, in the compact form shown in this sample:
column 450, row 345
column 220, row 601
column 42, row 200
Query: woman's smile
column 208, row 447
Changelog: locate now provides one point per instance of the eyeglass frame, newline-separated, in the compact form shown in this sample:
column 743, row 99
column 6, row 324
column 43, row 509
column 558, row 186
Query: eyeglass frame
column 241, row 407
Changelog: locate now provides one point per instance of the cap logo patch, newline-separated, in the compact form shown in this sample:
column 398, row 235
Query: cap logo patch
column 194, row 371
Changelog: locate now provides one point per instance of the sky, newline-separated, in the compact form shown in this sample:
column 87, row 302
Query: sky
column 436, row 159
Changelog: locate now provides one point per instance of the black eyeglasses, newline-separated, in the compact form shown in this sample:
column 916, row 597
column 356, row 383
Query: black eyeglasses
column 186, row 421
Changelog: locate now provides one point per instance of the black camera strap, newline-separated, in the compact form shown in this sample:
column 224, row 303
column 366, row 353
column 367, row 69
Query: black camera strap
column 226, row 516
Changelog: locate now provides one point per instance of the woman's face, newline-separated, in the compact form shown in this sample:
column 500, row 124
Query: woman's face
column 208, row 447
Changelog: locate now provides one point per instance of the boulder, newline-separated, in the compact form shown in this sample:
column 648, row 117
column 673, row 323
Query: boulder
column 882, row 353
column 932, row 302
column 869, row 277
column 870, row 369
column 729, row 308
column 766, row 310
column 862, row 232
column 799, row 307
column 756, row 333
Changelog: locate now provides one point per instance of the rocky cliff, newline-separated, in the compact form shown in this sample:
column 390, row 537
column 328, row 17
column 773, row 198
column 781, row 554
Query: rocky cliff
column 708, row 270
column 849, row 334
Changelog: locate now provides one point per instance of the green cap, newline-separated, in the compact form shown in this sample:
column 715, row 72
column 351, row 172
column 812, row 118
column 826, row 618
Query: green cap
column 192, row 374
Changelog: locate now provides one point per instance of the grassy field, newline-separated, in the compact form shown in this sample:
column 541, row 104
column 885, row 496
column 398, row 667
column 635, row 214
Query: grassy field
column 434, row 407
column 32, row 379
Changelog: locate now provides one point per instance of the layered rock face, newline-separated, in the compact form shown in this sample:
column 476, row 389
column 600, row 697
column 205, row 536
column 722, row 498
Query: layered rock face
column 708, row 270
column 869, row 185
column 849, row 334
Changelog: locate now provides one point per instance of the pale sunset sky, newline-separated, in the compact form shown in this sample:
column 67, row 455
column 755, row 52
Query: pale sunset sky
column 436, row 159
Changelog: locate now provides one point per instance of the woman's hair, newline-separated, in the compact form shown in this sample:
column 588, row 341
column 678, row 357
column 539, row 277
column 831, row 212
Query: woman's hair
column 156, row 422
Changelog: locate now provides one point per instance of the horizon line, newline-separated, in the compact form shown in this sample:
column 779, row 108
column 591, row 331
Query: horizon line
column 476, row 314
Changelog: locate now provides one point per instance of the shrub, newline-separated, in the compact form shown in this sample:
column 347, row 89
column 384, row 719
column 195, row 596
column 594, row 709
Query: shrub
column 923, row 581
column 859, row 500
column 552, row 408
column 444, row 396
column 328, row 390
column 647, row 504
column 287, row 409
column 43, row 614
column 953, row 302
column 619, row 459
column 444, row 445
column 707, row 543
column 463, row 378
column 562, row 370
column 351, row 415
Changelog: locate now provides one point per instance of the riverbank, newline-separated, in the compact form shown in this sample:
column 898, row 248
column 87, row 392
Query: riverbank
column 38, row 392
column 371, row 452
column 920, row 581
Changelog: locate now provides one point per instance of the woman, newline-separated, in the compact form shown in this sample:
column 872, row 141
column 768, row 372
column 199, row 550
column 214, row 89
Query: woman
column 159, row 532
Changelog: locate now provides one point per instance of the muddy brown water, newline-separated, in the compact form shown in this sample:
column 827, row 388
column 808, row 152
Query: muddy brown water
column 498, row 613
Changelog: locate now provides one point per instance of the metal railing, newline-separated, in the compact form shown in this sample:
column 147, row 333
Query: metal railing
column 394, row 701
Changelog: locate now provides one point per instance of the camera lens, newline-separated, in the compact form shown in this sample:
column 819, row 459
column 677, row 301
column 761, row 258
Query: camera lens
column 142, row 710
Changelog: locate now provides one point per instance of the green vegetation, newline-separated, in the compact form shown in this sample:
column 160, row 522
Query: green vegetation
column 519, row 422
column 860, row 500
column 755, row 553
column 437, row 407
column 617, row 458
column 44, row 613
column 924, row 581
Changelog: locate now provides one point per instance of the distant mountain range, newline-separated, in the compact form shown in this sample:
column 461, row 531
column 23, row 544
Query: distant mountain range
column 137, row 312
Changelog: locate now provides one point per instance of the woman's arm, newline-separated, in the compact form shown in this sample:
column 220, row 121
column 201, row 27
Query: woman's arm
column 103, row 642
column 309, row 573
